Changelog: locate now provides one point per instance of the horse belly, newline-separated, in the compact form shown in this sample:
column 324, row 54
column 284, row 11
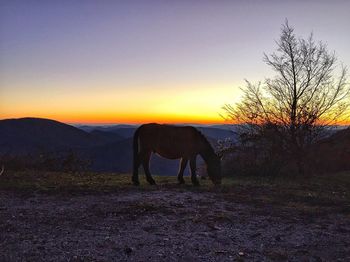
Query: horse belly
column 170, row 153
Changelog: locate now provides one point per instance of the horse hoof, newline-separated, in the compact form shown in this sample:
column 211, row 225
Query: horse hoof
column 136, row 183
column 181, row 182
column 196, row 184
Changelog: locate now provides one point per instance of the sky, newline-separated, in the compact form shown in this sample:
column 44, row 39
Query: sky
column 147, row 61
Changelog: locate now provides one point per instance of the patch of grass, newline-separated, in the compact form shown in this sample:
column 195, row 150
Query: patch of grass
column 103, row 182
column 320, row 193
column 315, row 194
column 58, row 181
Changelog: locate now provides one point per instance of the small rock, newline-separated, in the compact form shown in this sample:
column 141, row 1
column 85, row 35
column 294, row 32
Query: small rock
column 128, row 250
column 278, row 238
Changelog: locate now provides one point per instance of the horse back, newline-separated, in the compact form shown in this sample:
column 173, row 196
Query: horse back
column 169, row 141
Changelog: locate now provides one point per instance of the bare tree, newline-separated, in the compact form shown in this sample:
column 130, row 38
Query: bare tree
column 302, row 99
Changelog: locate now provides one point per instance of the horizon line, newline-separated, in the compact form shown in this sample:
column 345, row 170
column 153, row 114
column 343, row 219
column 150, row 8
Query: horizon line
column 139, row 123
column 122, row 122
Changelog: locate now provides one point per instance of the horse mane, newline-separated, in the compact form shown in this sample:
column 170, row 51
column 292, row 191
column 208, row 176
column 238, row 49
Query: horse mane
column 206, row 142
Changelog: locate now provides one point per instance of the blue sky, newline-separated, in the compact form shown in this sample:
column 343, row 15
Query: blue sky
column 141, row 61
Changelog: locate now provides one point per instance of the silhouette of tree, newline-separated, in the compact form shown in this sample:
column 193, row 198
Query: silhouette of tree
column 307, row 95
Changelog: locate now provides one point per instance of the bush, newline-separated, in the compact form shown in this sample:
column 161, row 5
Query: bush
column 46, row 161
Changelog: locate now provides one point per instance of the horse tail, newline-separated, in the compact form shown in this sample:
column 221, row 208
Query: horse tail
column 136, row 160
column 135, row 145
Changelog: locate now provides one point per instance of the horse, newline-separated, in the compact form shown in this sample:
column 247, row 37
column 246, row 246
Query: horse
column 173, row 142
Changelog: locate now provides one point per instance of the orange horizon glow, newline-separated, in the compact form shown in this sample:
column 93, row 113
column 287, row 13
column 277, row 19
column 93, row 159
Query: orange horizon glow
column 164, row 119
column 178, row 105
column 137, row 120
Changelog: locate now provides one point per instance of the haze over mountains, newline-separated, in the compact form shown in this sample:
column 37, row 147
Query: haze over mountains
column 108, row 147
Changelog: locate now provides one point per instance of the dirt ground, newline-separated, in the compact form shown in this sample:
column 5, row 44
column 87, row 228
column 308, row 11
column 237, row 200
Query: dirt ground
column 166, row 224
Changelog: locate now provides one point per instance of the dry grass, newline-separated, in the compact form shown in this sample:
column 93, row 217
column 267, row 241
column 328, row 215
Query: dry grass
column 316, row 194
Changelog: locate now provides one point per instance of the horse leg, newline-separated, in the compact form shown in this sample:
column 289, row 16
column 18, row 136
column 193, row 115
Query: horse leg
column 180, row 175
column 193, row 171
column 135, row 173
column 145, row 162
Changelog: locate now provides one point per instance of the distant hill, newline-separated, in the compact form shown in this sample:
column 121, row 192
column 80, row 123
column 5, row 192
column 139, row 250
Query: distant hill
column 105, row 128
column 109, row 147
column 28, row 135
column 107, row 137
column 118, row 157
column 217, row 133
column 333, row 152
column 127, row 131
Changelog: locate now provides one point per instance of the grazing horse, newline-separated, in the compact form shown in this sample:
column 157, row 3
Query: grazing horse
column 173, row 142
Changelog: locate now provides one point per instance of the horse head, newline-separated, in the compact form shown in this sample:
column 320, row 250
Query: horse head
column 214, row 169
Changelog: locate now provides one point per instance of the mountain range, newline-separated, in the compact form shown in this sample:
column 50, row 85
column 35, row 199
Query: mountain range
column 108, row 147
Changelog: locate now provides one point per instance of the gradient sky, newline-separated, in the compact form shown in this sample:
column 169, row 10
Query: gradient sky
column 142, row 61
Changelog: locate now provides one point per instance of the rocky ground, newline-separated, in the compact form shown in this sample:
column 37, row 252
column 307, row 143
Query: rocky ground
column 168, row 224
